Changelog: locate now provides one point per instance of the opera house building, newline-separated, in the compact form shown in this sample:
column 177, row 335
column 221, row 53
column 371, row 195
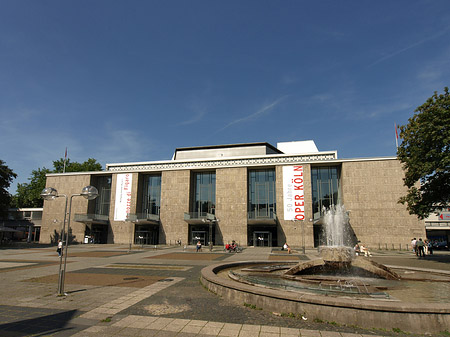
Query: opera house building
column 253, row 193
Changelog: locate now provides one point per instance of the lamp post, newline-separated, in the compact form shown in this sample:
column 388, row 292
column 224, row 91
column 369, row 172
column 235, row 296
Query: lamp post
column 50, row 193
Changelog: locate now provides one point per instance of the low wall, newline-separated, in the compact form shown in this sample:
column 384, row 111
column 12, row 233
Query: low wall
column 365, row 313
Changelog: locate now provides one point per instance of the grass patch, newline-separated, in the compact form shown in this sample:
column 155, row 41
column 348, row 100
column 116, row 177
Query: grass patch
column 106, row 320
column 397, row 330
column 251, row 306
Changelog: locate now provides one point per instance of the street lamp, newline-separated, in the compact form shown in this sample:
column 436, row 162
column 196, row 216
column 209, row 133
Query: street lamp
column 50, row 193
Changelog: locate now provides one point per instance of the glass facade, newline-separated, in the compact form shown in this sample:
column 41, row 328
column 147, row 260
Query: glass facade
column 151, row 198
column 325, row 181
column 204, row 200
column 103, row 200
column 261, row 194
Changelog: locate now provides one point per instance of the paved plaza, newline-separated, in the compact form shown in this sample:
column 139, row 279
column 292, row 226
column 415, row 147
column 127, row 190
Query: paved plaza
column 112, row 291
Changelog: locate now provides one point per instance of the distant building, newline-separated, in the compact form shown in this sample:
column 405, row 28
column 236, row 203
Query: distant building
column 254, row 193
column 21, row 224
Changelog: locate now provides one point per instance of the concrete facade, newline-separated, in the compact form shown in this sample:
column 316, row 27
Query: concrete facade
column 369, row 189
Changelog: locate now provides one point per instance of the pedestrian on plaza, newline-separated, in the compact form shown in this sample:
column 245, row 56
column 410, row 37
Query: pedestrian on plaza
column 199, row 246
column 59, row 249
column 430, row 247
column 413, row 245
column 420, row 248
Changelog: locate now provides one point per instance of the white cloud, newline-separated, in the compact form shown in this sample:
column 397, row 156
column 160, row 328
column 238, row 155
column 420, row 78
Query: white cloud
column 411, row 46
column 256, row 114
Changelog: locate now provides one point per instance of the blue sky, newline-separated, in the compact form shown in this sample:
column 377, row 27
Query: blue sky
column 124, row 81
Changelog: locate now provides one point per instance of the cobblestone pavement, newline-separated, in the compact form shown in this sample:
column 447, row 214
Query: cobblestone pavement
column 111, row 291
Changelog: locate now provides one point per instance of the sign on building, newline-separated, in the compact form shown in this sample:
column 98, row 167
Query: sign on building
column 123, row 196
column 293, row 193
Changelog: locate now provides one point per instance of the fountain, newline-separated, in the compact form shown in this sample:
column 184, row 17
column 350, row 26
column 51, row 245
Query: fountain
column 338, row 286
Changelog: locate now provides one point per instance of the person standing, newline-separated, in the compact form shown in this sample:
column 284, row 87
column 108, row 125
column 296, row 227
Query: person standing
column 414, row 245
column 199, row 246
column 419, row 248
column 430, row 247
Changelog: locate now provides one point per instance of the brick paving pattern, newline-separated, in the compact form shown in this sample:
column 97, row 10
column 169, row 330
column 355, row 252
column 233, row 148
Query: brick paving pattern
column 148, row 292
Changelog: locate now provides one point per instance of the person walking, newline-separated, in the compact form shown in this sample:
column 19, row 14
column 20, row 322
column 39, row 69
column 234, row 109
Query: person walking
column 59, row 249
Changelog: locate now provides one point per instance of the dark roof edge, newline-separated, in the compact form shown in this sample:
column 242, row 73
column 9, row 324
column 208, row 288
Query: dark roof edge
column 228, row 146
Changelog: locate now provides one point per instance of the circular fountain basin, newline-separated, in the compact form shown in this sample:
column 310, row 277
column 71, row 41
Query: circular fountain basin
column 391, row 305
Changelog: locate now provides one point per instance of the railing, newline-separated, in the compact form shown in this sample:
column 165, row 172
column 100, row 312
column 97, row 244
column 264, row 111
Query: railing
column 142, row 216
column 90, row 217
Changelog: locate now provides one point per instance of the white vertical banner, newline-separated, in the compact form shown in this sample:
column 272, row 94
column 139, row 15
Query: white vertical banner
column 293, row 193
column 123, row 196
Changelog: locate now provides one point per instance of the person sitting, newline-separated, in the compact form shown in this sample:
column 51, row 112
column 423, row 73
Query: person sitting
column 227, row 247
column 365, row 251
column 357, row 249
column 286, row 247
column 233, row 246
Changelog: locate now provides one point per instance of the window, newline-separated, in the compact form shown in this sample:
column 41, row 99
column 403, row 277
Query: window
column 151, row 198
column 262, row 202
column 204, row 200
column 325, row 182
column 104, row 195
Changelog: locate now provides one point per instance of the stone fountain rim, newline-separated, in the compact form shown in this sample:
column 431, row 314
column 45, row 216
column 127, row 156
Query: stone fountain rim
column 209, row 274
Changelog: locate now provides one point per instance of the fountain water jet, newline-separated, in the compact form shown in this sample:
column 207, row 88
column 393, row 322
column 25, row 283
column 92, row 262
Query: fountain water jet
column 336, row 225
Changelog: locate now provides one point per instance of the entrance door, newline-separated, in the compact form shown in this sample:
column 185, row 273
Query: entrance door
column 262, row 239
column 146, row 235
column 198, row 236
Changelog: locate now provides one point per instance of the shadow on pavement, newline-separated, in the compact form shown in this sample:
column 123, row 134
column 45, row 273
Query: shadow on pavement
column 39, row 326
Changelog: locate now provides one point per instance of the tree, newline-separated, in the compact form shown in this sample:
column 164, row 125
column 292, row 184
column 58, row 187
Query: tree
column 6, row 178
column 425, row 154
column 28, row 194
column 89, row 165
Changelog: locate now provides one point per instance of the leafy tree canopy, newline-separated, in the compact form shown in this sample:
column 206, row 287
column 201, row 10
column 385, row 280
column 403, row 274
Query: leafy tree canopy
column 6, row 178
column 29, row 194
column 425, row 154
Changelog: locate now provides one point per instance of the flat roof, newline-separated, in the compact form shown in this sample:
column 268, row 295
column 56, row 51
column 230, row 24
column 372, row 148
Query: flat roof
column 222, row 146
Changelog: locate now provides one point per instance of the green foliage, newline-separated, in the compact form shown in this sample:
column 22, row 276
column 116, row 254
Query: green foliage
column 28, row 194
column 6, row 178
column 88, row 166
column 425, row 154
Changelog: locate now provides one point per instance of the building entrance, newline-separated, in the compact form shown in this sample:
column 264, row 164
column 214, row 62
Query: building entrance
column 96, row 234
column 199, row 236
column 262, row 239
column 146, row 235
column 200, row 233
